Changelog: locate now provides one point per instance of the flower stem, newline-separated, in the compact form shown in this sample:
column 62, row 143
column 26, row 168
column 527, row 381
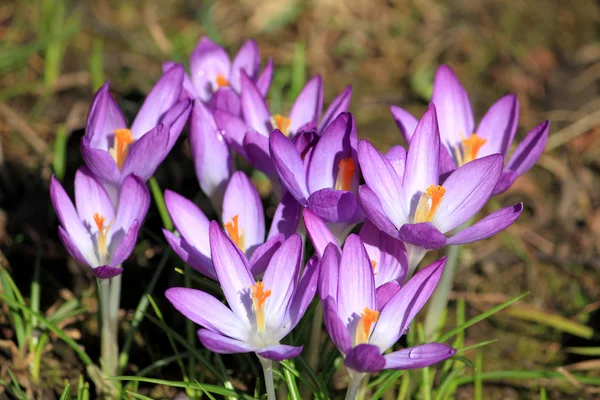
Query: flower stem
column 110, row 295
column 356, row 379
column 268, row 371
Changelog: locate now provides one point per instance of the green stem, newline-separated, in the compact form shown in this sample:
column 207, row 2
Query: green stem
column 314, row 346
column 268, row 371
column 356, row 379
column 107, row 344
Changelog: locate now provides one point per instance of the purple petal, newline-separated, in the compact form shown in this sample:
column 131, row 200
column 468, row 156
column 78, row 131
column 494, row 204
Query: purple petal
column 222, row 344
column 338, row 331
column 374, row 210
column 334, row 206
column 330, row 271
column 123, row 244
column 388, row 254
column 254, row 108
column 226, row 99
column 530, row 149
column 146, row 154
column 134, row 201
column 91, row 198
column 317, row 230
column 308, row 105
column 423, row 234
column 232, row 128
column 190, row 221
column 489, row 226
column 499, row 126
column 397, row 158
column 420, row 356
column 279, row 352
column 356, row 287
column 365, row 358
column 190, row 255
column 383, row 181
column 206, row 311
column 305, row 292
column 73, row 248
column 188, row 91
column 406, row 122
column 262, row 255
column 398, row 313
column 256, row 147
column 263, row 82
column 248, row 60
column 100, row 162
column 305, row 143
column 289, row 165
column 467, row 190
column 207, row 62
column 447, row 164
column 212, row 158
column 106, row 272
column 507, row 178
column 161, row 98
column 104, row 117
column 233, row 272
column 175, row 119
column 385, row 292
column 286, row 218
column 455, row 116
column 339, row 105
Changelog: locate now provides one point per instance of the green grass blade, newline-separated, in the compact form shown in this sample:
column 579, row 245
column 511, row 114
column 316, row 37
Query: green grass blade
column 19, row 325
column 298, row 78
column 16, row 387
column 584, row 351
column 66, row 393
column 159, row 199
column 557, row 322
column 476, row 346
column 138, row 396
column 389, row 381
column 97, row 64
column 477, row 376
column 526, row 374
column 59, row 160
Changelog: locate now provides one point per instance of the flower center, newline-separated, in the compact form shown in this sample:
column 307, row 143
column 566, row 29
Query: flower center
column 374, row 266
column 469, row 148
column 222, row 81
column 429, row 203
column 101, row 241
column 236, row 233
column 282, row 123
column 363, row 330
column 123, row 138
column 347, row 167
column 259, row 297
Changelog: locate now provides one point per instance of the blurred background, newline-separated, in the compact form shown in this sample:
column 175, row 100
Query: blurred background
column 55, row 53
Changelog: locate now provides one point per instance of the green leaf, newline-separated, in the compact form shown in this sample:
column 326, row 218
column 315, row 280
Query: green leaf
column 66, row 393
column 557, row 322
column 584, row 351
column 160, row 204
column 389, row 381
column 138, row 396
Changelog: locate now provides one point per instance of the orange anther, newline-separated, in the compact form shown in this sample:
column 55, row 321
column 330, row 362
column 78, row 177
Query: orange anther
column 222, row 81
column 347, row 167
column 235, row 232
column 259, row 295
column 282, row 123
column 471, row 147
column 123, row 138
column 363, row 329
column 99, row 220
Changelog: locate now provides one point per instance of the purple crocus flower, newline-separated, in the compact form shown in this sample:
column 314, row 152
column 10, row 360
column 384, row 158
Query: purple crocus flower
column 260, row 313
column 112, row 151
column 404, row 198
column 243, row 219
column 216, row 79
column 364, row 321
column 386, row 254
column 326, row 179
column 94, row 232
column 494, row 135
column 250, row 136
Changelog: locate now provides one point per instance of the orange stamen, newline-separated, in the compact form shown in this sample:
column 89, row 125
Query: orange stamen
column 347, row 167
column 99, row 220
column 259, row 297
column 282, row 123
column 363, row 329
column 374, row 266
column 101, row 240
column 426, row 211
column 222, row 81
column 123, row 138
column 471, row 147
column 236, row 233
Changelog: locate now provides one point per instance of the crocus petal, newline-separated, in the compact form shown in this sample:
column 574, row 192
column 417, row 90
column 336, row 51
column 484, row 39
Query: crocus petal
column 176, row 118
column 420, row 356
column 455, row 116
column 423, row 234
column 422, row 160
column 222, row 344
column 281, row 278
column 86, row 255
column 329, row 275
column 90, row 199
column 106, row 272
column 289, row 165
column 254, row 108
column 406, row 122
column 383, row 181
column 365, row 358
column 489, row 226
column 319, row 233
column 335, row 206
column 397, row 157
column 100, row 162
column 305, row 292
column 212, row 157
column 286, row 218
column 338, row 331
column 337, row 144
column 308, row 105
column 507, row 178
column 385, row 292
column 242, row 201
column 256, row 147
column 388, row 254
column 233, row 272
column 123, row 244
column 190, row 221
column 530, row 149
column 398, row 313
column 226, row 99
column 356, row 285
column 188, row 253
column 161, row 98
column 134, row 201
column 207, row 62
column 233, row 129
column 248, row 60
column 188, row 91
column 339, row 105
column 104, row 117
column 374, row 210
column 262, row 255
column 279, row 352
column 146, row 154
column 205, row 310
column 499, row 125
column 447, row 164
column 467, row 190
column 263, row 82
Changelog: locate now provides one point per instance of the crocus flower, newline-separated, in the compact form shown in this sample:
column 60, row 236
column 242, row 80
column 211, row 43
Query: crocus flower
column 260, row 313
column 112, row 151
column 94, row 232
column 364, row 322
column 250, row 136
column 386, row 254
column 215, row 78
column 404, row 198
column 326, row 180
column 244, row 220
column 494, row 135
